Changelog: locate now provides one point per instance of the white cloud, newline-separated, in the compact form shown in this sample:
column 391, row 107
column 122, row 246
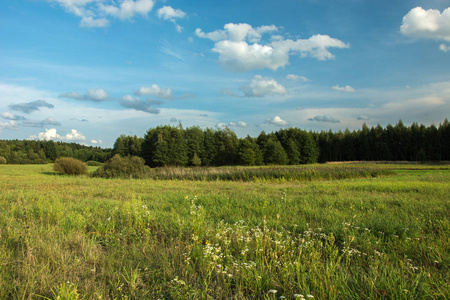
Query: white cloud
column 346, row 88
column 96, row 94
column 444, row 47
column 51, row 134
column 73, row 95
column 169, row 13
column 95, row 142
column 43, row 123
column 363, row 118
column 8, row 125
column 324, row 118
column 156, row 91
column 276, row 121
column 92, row 12
column 10, row 116
column 238, row 124
column 240, row 48
column 74, row 135
column 128, row 8
column 92, row 94
column 242, row 124
column 138, row 104
column 221, row 125
column 296, row 77
column 430, row 24
column 91, row 22
column 260, row 87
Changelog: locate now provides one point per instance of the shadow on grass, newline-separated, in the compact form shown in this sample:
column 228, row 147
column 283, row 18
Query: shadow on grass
column 49, row 173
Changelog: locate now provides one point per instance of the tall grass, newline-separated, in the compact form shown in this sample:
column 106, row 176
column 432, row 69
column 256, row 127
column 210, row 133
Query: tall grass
column 269, row 173
column 89, row 238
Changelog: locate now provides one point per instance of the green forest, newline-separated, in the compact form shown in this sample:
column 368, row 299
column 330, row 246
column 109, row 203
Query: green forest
column 176, row 146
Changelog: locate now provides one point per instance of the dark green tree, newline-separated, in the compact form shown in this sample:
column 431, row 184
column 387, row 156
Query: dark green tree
column 249, row 153
column 51, row 151
column 274, row 153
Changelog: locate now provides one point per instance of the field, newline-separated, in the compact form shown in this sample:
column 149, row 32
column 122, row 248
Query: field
column 375, row 235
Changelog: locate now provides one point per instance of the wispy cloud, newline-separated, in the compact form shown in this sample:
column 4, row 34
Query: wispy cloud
column 8, row 125
column 324, row 118
column 10, row 116
column 138, row 104
column 43, row 123
column 94, row 13
column 171, row 14
column 30, row 107
column 92, row 94
column 296, row 77
column 346, row 88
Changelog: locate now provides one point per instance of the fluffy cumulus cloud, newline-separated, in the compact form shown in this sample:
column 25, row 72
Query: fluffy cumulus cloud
column 155, row 91
column 431, row 24
column 30, row 107
column 241, row 47
column 324, row 118
column 92, row 94
column 277, row 121
column 96, row 142
column 43, row 123
column 10, row 116
column 138, row 104
column 263, row 86
column 52, row 134
column 346, row 88
column 94, row 13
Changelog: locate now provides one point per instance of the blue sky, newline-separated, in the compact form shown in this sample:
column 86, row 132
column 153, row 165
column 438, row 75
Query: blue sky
column 87, row 71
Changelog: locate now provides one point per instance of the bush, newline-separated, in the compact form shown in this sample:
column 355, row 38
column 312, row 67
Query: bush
column 93, row 163
column 2, row 160
column 123, row 167
column 70, row 166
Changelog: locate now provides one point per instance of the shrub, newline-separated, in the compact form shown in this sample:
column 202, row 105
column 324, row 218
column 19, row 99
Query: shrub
column 2, row 160
column 93, row 163
column 70, row 166
column 123, row 167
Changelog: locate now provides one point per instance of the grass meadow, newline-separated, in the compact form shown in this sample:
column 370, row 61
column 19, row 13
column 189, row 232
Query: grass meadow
column 382, row 235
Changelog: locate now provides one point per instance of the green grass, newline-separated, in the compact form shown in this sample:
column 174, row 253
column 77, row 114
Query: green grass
column 359, row 238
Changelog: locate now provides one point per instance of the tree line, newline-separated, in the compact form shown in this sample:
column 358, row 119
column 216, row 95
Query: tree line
column 41, row 152
column 392, row 143
column 176, row 146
